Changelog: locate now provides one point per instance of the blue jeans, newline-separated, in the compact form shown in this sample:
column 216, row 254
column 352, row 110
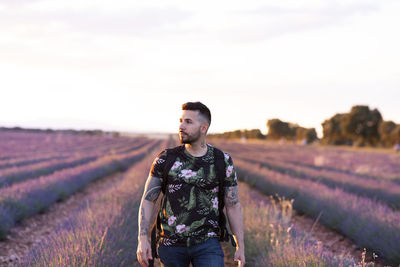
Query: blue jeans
column 209, row 254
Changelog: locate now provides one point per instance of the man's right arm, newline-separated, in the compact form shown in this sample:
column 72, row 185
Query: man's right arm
column 151, row 192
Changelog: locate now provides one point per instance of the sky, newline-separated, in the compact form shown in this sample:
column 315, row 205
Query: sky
column 129, row 65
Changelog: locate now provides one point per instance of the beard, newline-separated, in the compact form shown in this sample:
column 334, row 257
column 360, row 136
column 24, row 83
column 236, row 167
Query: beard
column 189, row 138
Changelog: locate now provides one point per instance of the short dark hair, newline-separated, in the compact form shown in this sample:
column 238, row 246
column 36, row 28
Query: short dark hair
column 203, row 109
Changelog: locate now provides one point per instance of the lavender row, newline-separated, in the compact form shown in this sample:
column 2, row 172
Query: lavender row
column 102, row 232
column 16, row 144
column 369, row 223
column 31, row 160
column 105, row 146
column 365, row 164
column 22, row 200
column 271, row 239
column 15, row 174
column 382, row 190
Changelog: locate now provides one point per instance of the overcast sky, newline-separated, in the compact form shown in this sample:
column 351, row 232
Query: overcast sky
column 130, row 65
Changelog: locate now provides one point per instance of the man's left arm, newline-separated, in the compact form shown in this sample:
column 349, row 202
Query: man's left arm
column 235, row 218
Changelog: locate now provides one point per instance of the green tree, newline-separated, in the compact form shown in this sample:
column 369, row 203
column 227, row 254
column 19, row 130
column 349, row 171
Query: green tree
column 361, row 125
column 385, row 130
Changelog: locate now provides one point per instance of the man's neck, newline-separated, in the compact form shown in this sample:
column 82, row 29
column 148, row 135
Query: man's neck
column 197, row 149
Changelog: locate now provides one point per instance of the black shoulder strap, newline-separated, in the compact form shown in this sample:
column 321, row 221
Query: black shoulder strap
column 220, row 168
column 220, row 172
column 172, row 153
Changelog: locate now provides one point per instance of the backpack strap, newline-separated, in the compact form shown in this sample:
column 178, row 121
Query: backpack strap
column 171, row 154
column 220, row 168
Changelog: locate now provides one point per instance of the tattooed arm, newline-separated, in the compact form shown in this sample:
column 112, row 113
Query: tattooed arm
column 235, row 218
column 146, row 218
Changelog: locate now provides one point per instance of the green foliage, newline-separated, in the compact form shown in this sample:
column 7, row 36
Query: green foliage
column 192, row 199
column 168, row 209
column 360, row 127
column 197, row 224
column 386, row 130
column 204, row 202
column 183, row 202
column 332, row 131
column 238, row 134
column 182, row 217
column 278, row 129
column 309, row 134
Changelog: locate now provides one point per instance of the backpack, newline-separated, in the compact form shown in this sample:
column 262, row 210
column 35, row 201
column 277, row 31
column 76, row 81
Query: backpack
column 172, row 154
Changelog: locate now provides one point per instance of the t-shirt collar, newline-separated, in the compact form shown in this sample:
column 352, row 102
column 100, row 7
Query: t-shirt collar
column 193, row 157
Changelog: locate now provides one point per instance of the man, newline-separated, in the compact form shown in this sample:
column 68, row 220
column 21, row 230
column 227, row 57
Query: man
column 189, row 210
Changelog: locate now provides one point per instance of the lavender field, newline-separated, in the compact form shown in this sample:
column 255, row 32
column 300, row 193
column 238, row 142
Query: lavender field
column 103, row 230
column 271, row 239
column 329, row 183
column 31, row 180
column 39, row 170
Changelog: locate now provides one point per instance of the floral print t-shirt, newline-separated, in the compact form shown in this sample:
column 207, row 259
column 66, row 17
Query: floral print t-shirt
column 189, row 210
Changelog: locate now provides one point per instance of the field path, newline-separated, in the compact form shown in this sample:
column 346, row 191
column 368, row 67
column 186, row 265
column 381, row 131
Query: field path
column 32, row 230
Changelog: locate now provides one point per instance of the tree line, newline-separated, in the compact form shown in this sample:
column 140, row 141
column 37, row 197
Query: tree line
column 359, row 127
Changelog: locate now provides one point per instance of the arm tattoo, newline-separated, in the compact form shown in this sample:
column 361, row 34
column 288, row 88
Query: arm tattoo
column 153, row 189
column 144, row 224
column 231, row 195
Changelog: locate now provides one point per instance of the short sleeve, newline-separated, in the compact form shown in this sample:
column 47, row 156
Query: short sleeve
column 157, row 167
column 231, row 176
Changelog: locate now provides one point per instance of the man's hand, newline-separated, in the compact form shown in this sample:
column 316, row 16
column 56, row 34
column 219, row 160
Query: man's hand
column 143, row 252
column 147, row 212
column 235, row 218
column 239, row 256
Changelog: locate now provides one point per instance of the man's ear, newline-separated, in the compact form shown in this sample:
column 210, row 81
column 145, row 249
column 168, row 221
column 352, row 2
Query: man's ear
column 204, row 127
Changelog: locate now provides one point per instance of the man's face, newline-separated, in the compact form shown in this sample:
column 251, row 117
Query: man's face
column 191, row 126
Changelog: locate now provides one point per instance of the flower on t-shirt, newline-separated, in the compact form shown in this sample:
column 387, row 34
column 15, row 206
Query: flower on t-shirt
column 176, row 165
column 171, row 220
column 212, row 234
column 215, row 203
column 188, row 173
column 180, row 228
column 226, row 155
column 229, row 170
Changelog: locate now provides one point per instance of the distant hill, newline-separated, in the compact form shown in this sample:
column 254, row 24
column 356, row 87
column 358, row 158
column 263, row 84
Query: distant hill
column 70, row 131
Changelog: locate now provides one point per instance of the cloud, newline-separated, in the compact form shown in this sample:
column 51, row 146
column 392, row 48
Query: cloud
column 226, row 21
column 144, row 21
column 270, row 21
column 43, row 35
